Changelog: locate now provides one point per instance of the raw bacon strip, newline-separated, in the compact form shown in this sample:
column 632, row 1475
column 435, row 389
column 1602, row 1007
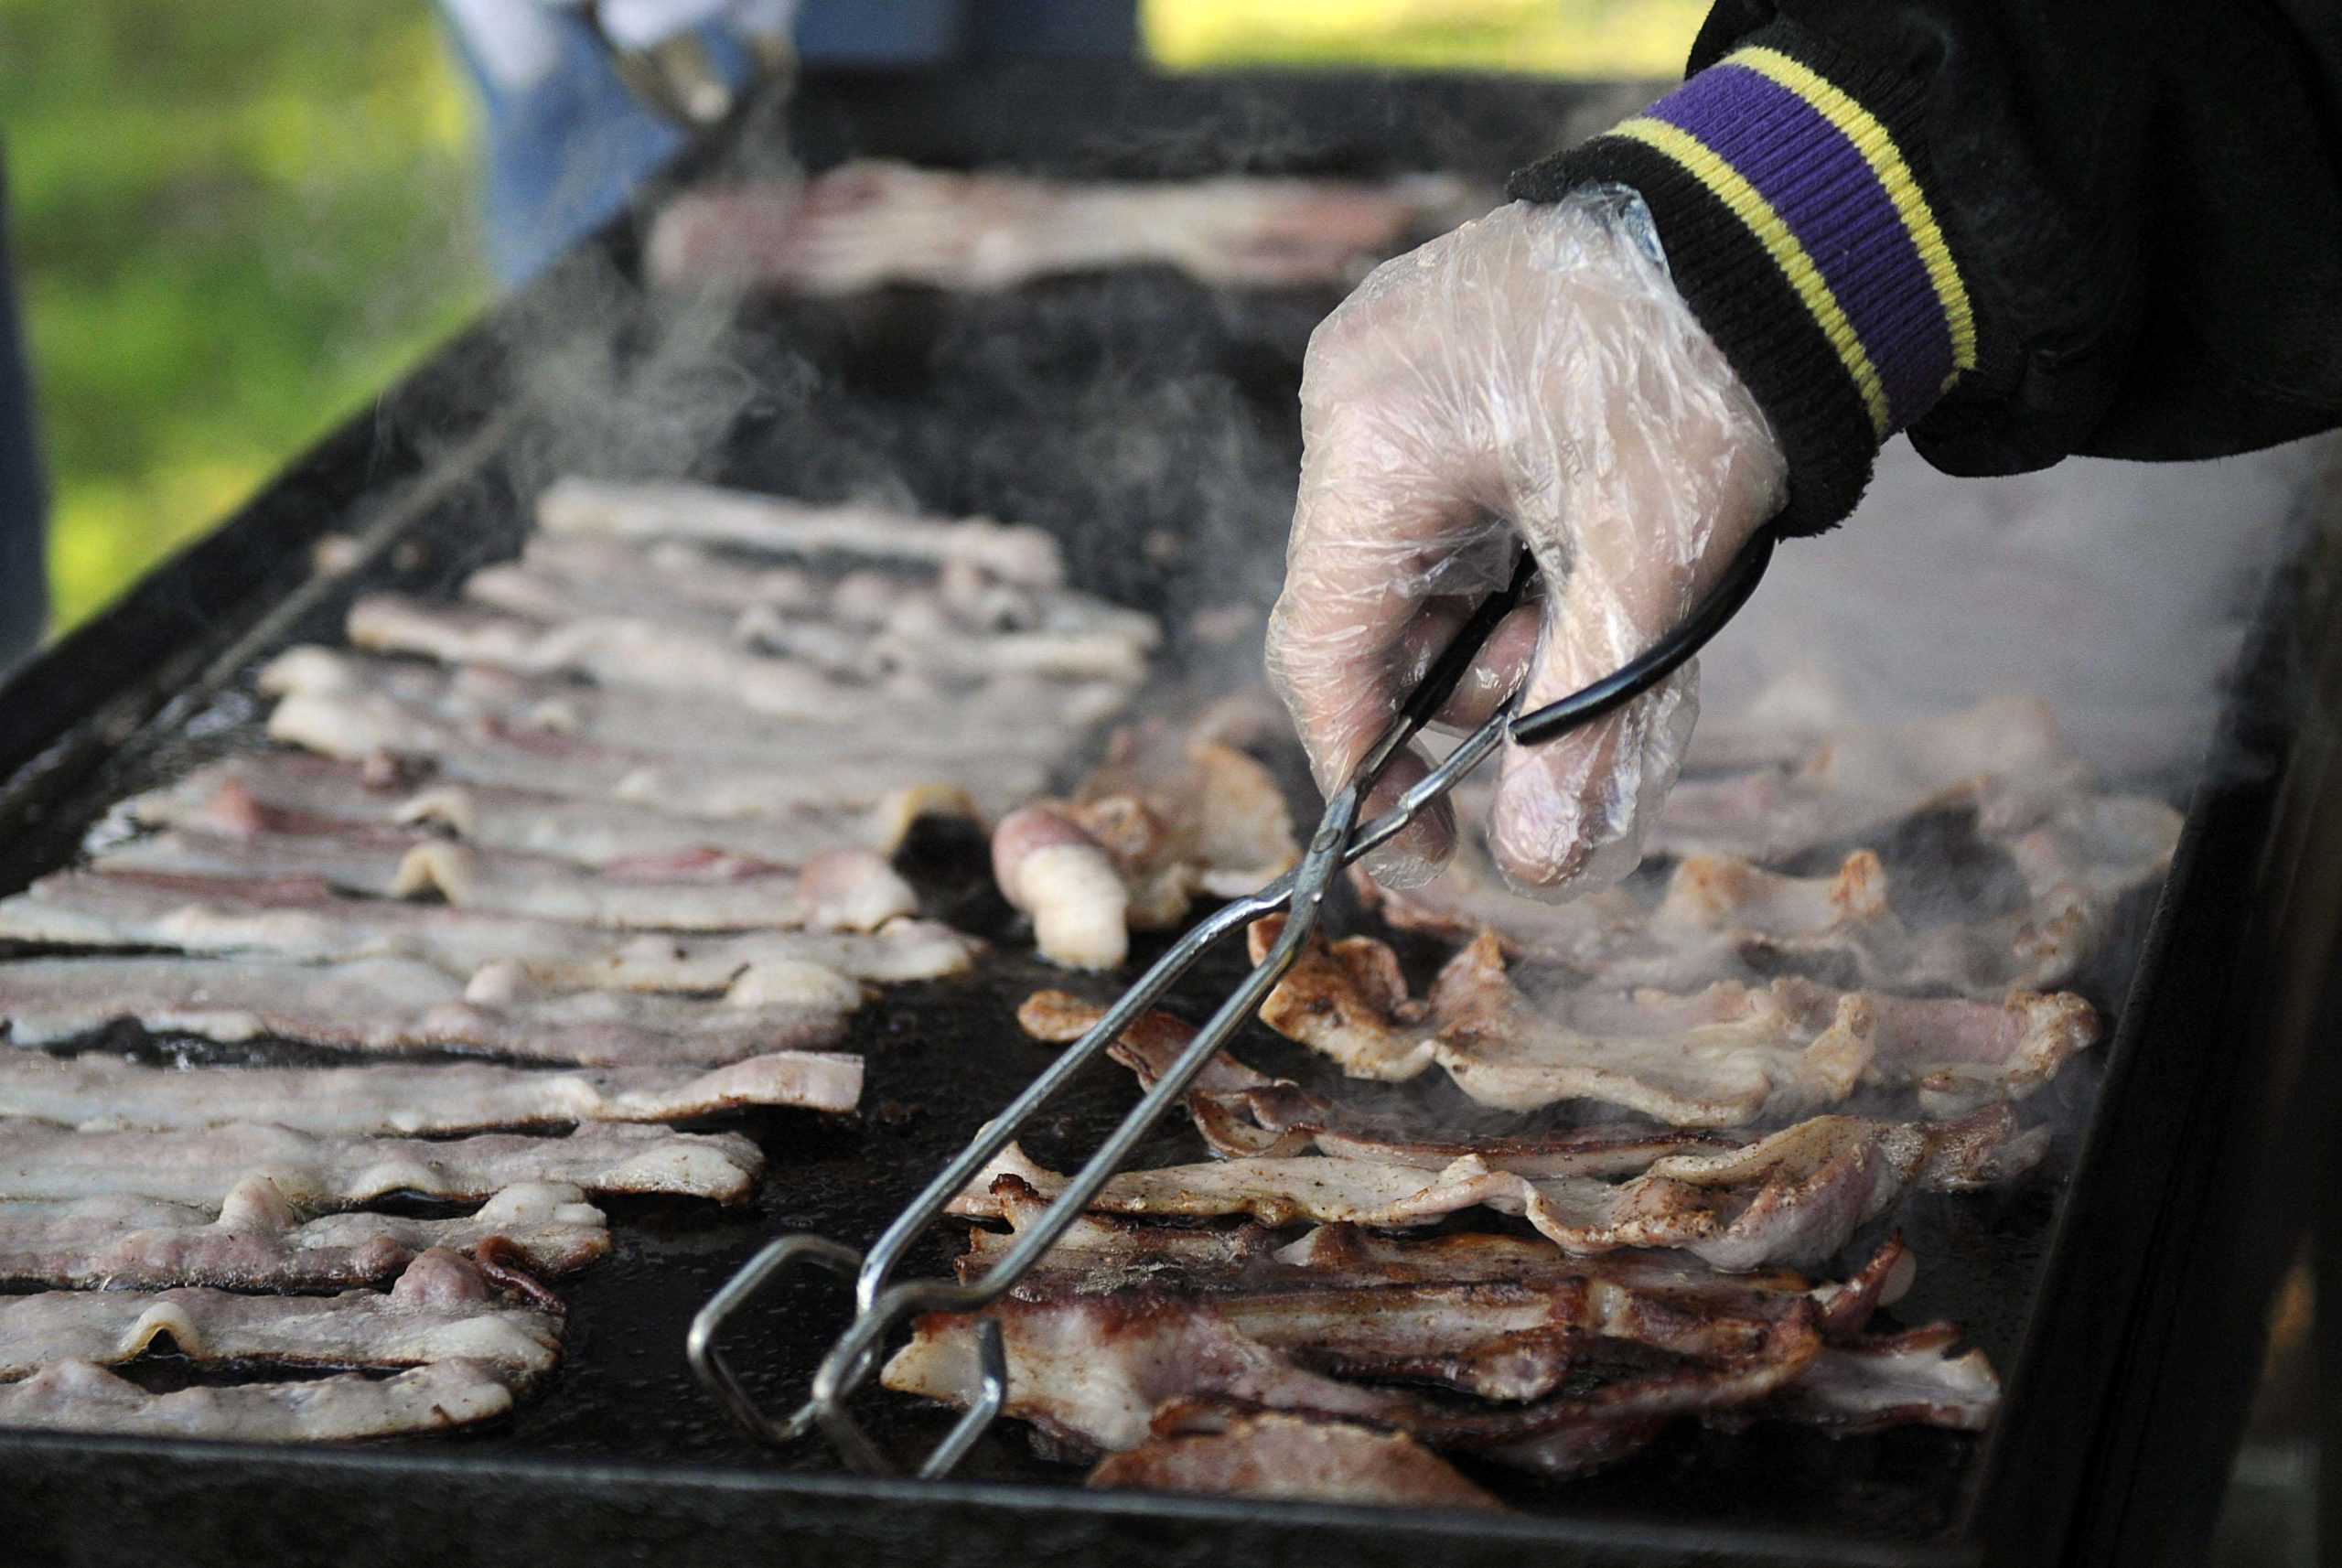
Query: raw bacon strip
column 1095, row 1373
column 685, row 572
column 1240, row 1111
column 905, row 599
column 74, row 1396
column 258, row 1242
column 706, row 515
column 1274, row 1455
column 42, row 1160
column 364, row 728
column 875, row 222
column 708, row 891
column 296, row 918
column 1724, row 1058
column 399, row 1005
column 293, row 791
column 921, row 636
column 2003, row 756
column 993, row 719
column 1792, row 1197
column 442, row 1309
column 384, row 863
column 98, row 1092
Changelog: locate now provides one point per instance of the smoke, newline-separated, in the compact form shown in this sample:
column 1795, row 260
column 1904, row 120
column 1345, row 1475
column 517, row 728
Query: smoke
column 2117, row 592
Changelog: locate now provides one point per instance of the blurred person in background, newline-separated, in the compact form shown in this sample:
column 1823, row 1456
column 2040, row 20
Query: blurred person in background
column 23, row 579
column 584, row 101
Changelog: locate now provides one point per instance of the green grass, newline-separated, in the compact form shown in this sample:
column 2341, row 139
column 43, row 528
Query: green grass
column 235, row 220
column 232, row 224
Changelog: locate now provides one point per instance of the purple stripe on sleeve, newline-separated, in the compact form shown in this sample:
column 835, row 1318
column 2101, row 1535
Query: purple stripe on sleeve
column 1832, row 201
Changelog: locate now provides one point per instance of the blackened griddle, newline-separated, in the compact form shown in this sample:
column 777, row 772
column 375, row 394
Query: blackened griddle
column 1149, row 422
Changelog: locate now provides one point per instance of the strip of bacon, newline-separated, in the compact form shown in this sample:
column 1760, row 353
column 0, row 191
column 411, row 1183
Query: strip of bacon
column 1900, row 1380
column 1274, row 1455
column 442, row 1309
column 383, row 1004
column 74, row 1396
column 873, row 221
column 297, row 918
column 1096, row 1373
column 994, row 719
column 98, row 1092
column 1791, row 1198
column 363, row 726
column 1722, row 1057
column 42, row 1160
column 710, row 891
column 259, row 1241
column 707, row 515
column 1725, row 919
column 923, row 635
column 1241, row 1112
column 293, row 791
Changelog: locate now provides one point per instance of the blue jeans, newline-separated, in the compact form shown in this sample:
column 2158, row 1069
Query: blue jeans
column 562, row 156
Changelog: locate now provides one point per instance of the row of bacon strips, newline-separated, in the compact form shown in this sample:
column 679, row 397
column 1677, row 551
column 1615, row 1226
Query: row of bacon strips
column 616, row 826
column 1767, row 1040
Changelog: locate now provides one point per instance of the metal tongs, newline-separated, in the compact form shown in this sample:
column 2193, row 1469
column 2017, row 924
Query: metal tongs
column 1337, row 841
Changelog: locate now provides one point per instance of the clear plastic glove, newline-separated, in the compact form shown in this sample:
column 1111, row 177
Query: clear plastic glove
column 1534, row 378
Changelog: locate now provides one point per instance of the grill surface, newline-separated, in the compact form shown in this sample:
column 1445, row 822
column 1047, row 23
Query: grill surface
column 1149, row 423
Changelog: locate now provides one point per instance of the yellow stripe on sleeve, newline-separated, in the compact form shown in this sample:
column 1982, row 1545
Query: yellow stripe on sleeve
column 1871, row 139
column 1746, row 203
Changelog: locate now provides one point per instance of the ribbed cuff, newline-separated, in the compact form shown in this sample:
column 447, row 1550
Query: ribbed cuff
column 1785, row 183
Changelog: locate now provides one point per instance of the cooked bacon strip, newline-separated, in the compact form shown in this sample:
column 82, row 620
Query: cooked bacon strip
column 99, row 1092
column 2002, row 756
column 1274, row 1455
column 1722, row 1057
column 42, row 1160
column 399, row 1004
column 359, row 727
column 1792, row 1197
column 993, row 719
column 705, row 514
column 1048, row 867
column 1725, row 919
column 258, row 1242
column 442, row 1309
column 74, row 1396
column 293, row 791
column 706, row 891
column 1094, row 1373
column 875, row 222
column 1499, row 1316
column 1240, row 1111
column 299, row 918
column 1901, row 1379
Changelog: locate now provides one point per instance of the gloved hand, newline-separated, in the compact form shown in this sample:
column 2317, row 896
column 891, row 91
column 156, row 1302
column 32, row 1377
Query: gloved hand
column 1533, row 376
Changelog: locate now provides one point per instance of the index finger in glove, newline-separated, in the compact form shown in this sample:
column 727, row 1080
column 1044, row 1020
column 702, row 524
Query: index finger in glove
column 1388, row 556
